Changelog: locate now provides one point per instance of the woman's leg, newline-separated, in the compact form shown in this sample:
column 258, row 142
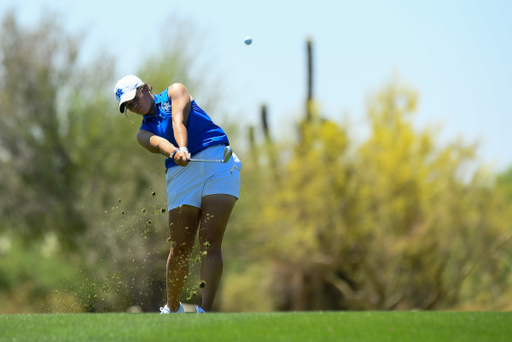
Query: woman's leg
column 183, row 224
column 215, row 213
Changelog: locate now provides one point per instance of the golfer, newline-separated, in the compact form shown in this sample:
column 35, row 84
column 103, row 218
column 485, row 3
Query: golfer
column 200, row 195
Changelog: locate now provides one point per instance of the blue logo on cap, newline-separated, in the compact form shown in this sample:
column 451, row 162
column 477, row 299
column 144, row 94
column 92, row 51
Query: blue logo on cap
column 119, row 93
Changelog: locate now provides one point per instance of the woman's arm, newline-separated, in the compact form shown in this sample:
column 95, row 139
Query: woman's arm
column 181, row 104
column 155, row 144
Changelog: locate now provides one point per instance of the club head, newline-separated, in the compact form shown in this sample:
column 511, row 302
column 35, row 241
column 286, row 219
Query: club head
column 228, row 152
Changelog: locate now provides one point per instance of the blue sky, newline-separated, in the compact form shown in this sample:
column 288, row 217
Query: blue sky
column 457, row 54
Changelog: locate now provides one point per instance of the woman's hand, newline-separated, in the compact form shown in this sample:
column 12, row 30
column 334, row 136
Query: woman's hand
column 182, row 158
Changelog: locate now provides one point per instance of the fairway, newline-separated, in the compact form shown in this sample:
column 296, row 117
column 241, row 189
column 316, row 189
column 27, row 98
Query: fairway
column 294, row 326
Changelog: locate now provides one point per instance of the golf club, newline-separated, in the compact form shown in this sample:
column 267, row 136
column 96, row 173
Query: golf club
column 227, row 155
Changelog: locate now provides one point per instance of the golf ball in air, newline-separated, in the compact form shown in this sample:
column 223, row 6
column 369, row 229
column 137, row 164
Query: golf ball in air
column 248, row 40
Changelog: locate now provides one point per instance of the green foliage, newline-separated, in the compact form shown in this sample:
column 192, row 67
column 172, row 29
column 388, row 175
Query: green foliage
column 393, row 222
column 36, row 66
column 504, row 181
column 38, row 279
column 396, row 222
column 73, row 169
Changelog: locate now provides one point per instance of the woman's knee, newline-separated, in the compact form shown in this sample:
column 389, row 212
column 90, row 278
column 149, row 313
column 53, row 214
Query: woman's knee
column 211, row 249
column 181, row 250
column 210, row 242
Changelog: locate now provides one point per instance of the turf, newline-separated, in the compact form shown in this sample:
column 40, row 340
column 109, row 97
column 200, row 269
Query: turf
column 295, row 326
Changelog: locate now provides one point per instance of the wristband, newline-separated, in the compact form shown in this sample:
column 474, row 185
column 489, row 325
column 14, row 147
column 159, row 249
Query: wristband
column 174, row 153
column 184, row 149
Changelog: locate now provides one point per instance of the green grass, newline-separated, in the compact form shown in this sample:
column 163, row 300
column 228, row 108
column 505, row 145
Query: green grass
column 296, row 326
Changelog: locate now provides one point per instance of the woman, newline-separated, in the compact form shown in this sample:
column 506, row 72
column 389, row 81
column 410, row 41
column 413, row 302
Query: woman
column 200, row 195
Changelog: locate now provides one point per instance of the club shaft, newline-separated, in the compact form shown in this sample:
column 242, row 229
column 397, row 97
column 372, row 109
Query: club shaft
column 206, row 160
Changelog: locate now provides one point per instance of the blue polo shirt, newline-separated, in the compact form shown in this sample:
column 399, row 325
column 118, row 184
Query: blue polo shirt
column 202, row 132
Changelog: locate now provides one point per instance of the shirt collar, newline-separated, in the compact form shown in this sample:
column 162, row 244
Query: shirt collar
column 145, row 118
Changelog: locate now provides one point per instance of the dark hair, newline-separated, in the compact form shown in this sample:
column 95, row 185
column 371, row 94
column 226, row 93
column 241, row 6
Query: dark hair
column 139, row 88
column 150, row 87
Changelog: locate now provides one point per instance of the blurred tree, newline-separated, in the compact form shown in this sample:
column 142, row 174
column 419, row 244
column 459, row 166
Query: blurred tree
column 504, row 181
column 58, row 169
column 396, row 222
column 72, row 168
column 38, row 170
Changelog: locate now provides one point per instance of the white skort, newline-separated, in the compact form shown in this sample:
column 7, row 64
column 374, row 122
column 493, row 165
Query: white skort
column 187, row 185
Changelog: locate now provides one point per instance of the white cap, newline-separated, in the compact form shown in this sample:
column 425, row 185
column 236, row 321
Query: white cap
column 125, row 90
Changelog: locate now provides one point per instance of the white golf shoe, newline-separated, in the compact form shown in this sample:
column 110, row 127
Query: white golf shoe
column 166, row 310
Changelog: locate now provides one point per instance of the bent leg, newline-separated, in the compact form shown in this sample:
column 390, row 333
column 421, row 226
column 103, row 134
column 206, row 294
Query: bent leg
column 215, row 213
column 183, row 225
